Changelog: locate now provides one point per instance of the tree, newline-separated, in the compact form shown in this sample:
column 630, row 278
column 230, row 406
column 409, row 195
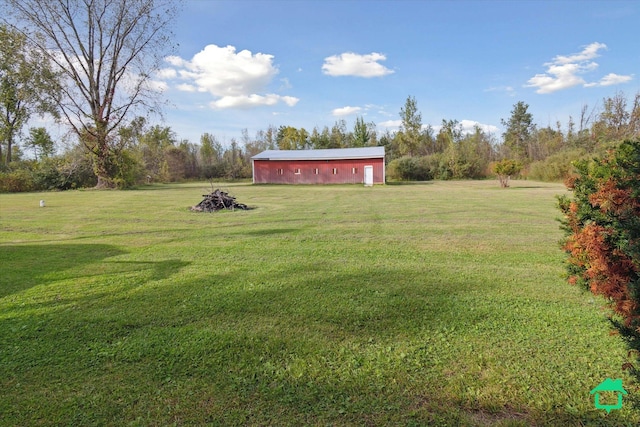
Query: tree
column 505, row 169
column 235, row 165
column 153, row 145
column 254, row 146
column 361, row 133
column 290, row 138
column 448, row 137
column 518, row 131
column 210, row 155
column 602, row 227
column 386, row 141
column 131, row 134
column 210, row 149
column 616, row 122
column 634, row 118
column 474, row 152
column 27, row 85
column 190, row 151
column 40, row 142
column 338, row 137
column 176, row 159
column 429, row 145
column 547, row 141
column 408, row 138
column 107, row 51
column 268, row 138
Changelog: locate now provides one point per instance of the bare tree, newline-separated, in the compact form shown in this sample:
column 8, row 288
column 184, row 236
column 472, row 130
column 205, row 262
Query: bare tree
column 585, row 118
column 634, row 119
column 107, row 51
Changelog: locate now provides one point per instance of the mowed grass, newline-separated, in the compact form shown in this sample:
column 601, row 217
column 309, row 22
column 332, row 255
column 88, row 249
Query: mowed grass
column 434, row 304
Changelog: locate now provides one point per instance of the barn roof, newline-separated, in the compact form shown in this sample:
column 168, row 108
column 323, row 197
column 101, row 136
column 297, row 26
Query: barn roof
column 324, row 154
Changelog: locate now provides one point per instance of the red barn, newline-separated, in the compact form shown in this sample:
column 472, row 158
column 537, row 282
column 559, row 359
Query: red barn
column 332, row 166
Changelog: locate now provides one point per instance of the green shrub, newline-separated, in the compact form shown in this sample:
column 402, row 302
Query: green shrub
column 556, row 167
column 439, row 166
column 64, row 172
column 216, row 170
column 409, row 169
column 48, row 175
column 129, row 170
column 15, row 181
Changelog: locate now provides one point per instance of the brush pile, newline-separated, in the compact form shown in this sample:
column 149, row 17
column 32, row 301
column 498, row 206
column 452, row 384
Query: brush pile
column 217, row 201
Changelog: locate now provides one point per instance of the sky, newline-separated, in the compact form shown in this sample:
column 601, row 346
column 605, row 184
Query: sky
column 245, row 64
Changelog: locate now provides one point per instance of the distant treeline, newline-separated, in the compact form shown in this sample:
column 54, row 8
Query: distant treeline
column 145, row 153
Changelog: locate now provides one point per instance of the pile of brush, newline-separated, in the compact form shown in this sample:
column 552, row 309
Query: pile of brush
column 216, row 201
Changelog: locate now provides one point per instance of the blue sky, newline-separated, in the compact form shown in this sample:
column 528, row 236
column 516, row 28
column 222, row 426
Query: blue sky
column 251, row 64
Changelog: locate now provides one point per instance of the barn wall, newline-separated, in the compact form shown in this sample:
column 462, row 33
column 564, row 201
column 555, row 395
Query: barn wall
column 304, row 171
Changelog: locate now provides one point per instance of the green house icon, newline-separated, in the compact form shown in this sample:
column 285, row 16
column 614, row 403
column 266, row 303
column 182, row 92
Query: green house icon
column 609, row 385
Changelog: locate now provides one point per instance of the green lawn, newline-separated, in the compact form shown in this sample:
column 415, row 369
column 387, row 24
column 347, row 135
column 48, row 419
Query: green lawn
column 434, row 304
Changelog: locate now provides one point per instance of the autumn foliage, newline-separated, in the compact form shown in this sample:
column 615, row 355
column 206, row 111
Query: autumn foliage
column 602, row 224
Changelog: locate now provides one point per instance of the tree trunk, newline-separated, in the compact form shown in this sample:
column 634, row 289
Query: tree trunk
column 104, row 183
column 9, row 147
column 102, row 166
column 101, row 169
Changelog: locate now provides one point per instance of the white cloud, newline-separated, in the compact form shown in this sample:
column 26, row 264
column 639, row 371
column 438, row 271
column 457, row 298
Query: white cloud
column 290, row 100
column 186, row 87
column 509, row 90
column 157, row 85
column 346, row 111
column 588, row 53
column 175, row 61
column 285, row 84
column 611, row 79
column 223, row 72
column 253, row 100
column 353, row 64
column 391, row 123
column 234, row 79
column 469, row 126
column 559, row 77
column 167, row 73
column 564, row 72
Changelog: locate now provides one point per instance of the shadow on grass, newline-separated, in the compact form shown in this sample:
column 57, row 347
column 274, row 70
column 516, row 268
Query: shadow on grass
column 159, row 269
column 409, row 183
column 203, row 185
column 270, row 231
column 24, row 266
column 526, row 187
column 304, row 344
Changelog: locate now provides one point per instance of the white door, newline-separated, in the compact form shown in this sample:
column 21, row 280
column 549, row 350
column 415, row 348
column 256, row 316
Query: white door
column 368, row 175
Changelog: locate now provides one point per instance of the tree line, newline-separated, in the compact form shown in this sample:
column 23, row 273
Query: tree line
column 89, row 66
column 148, row 152
column 543, row 152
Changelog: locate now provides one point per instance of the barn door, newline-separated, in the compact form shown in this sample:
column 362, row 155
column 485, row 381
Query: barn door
column 368, row 175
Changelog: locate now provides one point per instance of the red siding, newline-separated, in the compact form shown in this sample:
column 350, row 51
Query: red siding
column 284, row 171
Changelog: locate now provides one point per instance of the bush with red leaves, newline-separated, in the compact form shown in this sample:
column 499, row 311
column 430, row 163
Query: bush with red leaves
column 602, row 225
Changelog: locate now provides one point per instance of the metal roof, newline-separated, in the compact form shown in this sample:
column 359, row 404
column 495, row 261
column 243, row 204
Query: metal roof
column 324, row 154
